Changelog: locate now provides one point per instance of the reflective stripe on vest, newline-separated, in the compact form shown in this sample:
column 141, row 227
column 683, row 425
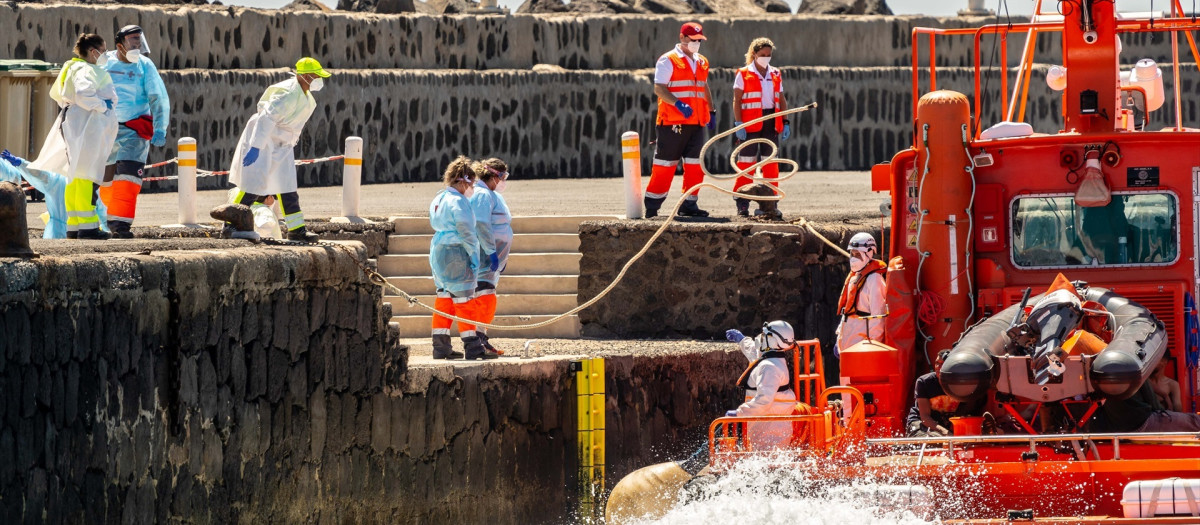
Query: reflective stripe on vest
column 688, row 86
column 752, row 94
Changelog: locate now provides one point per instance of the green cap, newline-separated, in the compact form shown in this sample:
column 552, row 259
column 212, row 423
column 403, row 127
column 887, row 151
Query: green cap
column 310, row 65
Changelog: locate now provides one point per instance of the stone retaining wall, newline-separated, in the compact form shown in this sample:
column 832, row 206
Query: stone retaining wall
column 700, row 279
column 259, row 385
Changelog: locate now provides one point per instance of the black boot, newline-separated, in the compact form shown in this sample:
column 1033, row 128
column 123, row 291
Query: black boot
column 301, row 235
column 475, row 349
column 94, row 234
column 652, row 205
column 743, row 206
column 690, row 208
column 487, row 344
column 72, row 235
column 120, row 229
column 442, row 348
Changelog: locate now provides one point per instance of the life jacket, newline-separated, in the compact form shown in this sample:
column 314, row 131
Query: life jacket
column 848, row 302
column 744, row 381
column 688, row 86
column 752, row 95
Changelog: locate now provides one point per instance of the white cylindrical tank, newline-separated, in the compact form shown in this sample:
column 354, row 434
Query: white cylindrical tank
column 1147, row 75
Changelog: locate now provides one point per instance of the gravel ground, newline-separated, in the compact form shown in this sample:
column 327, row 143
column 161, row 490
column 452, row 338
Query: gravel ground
column 421, row 350
column 824, row 196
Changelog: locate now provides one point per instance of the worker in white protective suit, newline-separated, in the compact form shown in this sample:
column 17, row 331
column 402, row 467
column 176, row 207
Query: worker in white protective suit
column 863, row 298
column 494, row 224
column 454, row 258
column 79, row 143
column 767, row 382
column 264, row 162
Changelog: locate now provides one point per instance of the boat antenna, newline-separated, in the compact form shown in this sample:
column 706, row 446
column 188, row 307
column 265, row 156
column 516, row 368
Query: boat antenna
column 987, row 79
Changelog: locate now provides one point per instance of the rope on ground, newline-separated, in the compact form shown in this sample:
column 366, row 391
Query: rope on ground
column 379, row 279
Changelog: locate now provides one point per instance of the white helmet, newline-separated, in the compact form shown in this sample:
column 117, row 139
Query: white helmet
column 863, row 242
column 778, row 335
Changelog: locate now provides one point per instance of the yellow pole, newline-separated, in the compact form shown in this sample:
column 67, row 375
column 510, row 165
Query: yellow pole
column 589, row 386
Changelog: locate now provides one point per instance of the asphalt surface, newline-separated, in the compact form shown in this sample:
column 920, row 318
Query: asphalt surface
column 824, row 196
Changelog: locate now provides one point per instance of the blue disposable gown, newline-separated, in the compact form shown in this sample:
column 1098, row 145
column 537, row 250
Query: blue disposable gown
column 53, row 186
column 454, row 252
column 494, row 227
column 140, row 91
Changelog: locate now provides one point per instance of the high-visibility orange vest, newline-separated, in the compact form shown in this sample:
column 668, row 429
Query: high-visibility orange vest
column 752, row 94
column 848, row 302
column 688, row 86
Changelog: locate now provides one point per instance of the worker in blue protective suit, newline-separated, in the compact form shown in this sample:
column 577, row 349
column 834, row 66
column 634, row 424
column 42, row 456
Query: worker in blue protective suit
column 264, row 162
column 454, row 258
column 82, row 136
column 494, row 225
column 144, row 111
column 13, row 169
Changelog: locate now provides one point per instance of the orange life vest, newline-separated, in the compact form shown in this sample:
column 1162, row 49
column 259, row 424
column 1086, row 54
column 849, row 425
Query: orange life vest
column 688, row 86
column 752, row 95
column 848, row 302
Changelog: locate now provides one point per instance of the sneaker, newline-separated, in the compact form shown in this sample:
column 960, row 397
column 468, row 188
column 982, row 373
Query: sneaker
column 691, row 209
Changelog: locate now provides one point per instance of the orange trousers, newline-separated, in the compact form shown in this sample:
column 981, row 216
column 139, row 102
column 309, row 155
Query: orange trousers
column 467, row 308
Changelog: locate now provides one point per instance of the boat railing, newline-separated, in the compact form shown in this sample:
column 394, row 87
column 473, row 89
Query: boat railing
column 1174, row 25
column 1041, row 439
column 829, row 429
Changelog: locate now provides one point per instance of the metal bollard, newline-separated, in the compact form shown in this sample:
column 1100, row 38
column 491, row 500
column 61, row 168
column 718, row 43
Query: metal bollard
column 351, row 181
column 186, row 153
column 631, row 163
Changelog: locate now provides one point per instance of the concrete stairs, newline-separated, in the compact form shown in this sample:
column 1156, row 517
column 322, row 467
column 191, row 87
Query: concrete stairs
column 540, row 282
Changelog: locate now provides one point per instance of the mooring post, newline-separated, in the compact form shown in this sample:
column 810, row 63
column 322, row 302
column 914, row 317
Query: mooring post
column 351, row 180
column 589, row 387
column 186, row 154
column 631, row 163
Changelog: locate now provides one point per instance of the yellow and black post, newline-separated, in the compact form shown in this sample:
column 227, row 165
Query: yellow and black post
column 589, row 386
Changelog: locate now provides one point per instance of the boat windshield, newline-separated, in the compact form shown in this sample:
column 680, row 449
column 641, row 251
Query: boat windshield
column 1134, row 229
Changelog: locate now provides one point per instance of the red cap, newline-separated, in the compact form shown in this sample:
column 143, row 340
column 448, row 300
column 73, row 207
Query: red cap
column 693, row 31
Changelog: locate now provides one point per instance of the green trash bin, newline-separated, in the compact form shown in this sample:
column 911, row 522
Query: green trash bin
column 17, row 82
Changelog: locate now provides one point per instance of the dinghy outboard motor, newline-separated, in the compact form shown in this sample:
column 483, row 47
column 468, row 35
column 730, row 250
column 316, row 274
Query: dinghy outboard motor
column 1052, row 319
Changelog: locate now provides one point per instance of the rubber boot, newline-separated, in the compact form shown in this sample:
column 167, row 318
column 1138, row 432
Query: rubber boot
column 652, row 205
column 690, row 208
column 442, row 348
column 475, row 349
column 301, row 235
column 743, row 206
column 120, row 229
column 94, row 234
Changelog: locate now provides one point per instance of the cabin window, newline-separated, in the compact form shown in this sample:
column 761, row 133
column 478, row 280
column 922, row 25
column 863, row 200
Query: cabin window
column 1050, row 231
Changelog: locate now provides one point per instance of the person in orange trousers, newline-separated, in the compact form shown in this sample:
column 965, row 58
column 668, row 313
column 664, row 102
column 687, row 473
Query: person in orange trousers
column 494, row 225
column 758, row 91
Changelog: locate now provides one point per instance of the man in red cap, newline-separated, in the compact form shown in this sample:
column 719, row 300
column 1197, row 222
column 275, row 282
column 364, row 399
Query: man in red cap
column 684, row 108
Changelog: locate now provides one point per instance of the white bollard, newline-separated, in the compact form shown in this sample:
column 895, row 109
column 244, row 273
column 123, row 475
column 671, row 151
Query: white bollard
column 631, row 163
column 351, row 181
column 186, row 153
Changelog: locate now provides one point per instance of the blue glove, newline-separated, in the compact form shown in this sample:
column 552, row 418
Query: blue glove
column 495, row 261
column 734, row 336
column 741, row 133
column 684, row 108
column 787, row 132
column 731, row 413
column 712, row 121
column 108, row 103
column 159, row 139
column 12, row 159
column 251, row 156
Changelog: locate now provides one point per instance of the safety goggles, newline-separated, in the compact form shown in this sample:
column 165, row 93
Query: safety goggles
column 767, row 330
column 864, row 245
column 501, row 175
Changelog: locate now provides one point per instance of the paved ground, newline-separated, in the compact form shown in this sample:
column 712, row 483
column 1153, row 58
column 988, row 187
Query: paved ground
column 820, row 196
column 421, row 350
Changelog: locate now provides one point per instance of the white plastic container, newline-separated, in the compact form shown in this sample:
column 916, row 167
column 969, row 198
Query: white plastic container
column 1161, row 497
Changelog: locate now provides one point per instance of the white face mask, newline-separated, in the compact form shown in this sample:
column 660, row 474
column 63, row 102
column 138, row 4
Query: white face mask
column 763, row 61
column 858, row 261
column 693, row 46
column 501, row 185
column 133, row 55
column 102, row 59
column 316, row 84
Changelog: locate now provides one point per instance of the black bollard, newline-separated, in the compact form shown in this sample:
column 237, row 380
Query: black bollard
column 14, row 232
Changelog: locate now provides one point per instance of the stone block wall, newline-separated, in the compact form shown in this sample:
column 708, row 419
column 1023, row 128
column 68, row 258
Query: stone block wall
column 700, row 279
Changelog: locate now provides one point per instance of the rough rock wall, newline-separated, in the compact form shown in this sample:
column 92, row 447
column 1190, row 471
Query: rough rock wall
column 547, row 124
column 701, row 279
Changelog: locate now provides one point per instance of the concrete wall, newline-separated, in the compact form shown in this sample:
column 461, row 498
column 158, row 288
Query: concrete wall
column 259, row 385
